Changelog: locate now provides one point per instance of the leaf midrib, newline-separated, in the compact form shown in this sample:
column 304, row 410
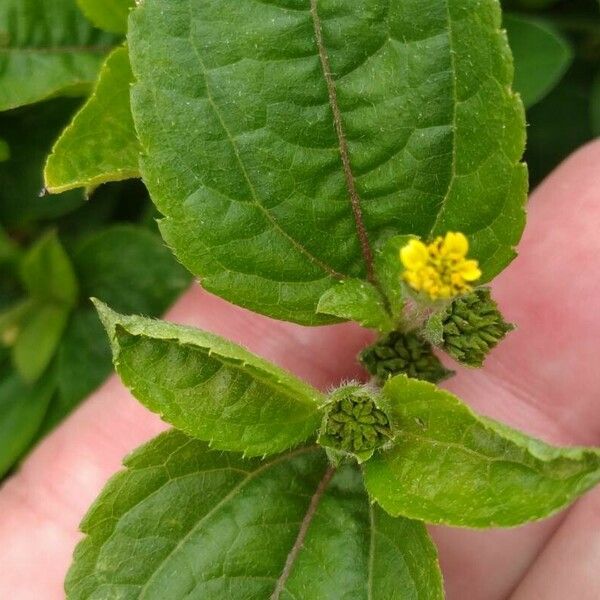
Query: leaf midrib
column 454, row 118
column 354, row 197
column 256, row 201
column 294, row 552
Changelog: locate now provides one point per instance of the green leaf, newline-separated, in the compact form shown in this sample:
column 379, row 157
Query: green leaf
column 22, row 409
column 46, row 49
column 38, row 339
column 47, row 272
column 560, row 123
column 210, row 388
column 183, row 521
column 309, row 153
column 542, row 56
column 110, row 15
column 12, row 317
column 389, row 272
column 83, row 363
column 129, row 268
column 450, row 466
column 100, row 144
column 4, row 150
column 358, row 301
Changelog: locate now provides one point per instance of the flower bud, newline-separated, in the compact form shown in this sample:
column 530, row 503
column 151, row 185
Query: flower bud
column 471, row 326
column 403, row 353
column 354, row 423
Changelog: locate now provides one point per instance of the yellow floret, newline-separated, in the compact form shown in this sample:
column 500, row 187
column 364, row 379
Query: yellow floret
column 441, row 269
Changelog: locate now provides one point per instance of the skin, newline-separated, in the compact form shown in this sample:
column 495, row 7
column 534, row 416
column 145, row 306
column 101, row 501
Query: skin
column 544, row 379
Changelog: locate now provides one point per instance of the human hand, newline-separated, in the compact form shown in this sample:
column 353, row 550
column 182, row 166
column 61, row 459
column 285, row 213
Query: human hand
column 544, row 379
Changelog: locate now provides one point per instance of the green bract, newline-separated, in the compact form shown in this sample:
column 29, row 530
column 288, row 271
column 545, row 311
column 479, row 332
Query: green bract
column 183, row 520
column 311, row 131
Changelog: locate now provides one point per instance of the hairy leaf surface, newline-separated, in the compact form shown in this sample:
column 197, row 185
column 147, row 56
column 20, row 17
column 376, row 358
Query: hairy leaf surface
column 210, row 388
column 450, row 466
column 100, row 144
column 46, row 49
column 285, row 140
column 183, row 521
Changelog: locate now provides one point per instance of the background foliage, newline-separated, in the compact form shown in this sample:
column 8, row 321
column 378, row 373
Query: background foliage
column 99, row 239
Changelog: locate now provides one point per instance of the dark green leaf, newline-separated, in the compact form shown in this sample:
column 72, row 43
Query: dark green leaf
column 30, row 133
column 275, row 148
column 100, row 144
column 448, row 465
column 46, row 49
column 542, row 56
column 83, row 363
column 129, row 268
column 110, row 15
column 38, row 339
column 183, row 521
column 4, row 150
column 210, row 388
column 47, row 272
column 560, row 123
column 595, row 100
column 22, row 409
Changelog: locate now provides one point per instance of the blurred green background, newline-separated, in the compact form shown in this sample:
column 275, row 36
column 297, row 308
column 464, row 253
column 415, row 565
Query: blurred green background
column 56, row 251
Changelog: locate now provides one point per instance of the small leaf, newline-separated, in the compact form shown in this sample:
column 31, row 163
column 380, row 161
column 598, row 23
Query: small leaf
column 110, row 15
column 47, row 272
column 541, row 54
column 47, row 49
column 210, row 388
column 22, row 409
column 389, row 272
column 183, row 521
column 280, row 167
column 129, row 268
column 38, row 340
column 358, row 301
column 12, row 318
column 450, row 466
column 100, row 144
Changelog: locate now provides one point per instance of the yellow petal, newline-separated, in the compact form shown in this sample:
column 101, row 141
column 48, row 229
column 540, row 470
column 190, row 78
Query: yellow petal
column 456, row 244
column 470, row 270
column 414, row 255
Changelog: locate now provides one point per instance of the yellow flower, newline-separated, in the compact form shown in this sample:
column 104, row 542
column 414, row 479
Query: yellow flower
column 440, row 269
